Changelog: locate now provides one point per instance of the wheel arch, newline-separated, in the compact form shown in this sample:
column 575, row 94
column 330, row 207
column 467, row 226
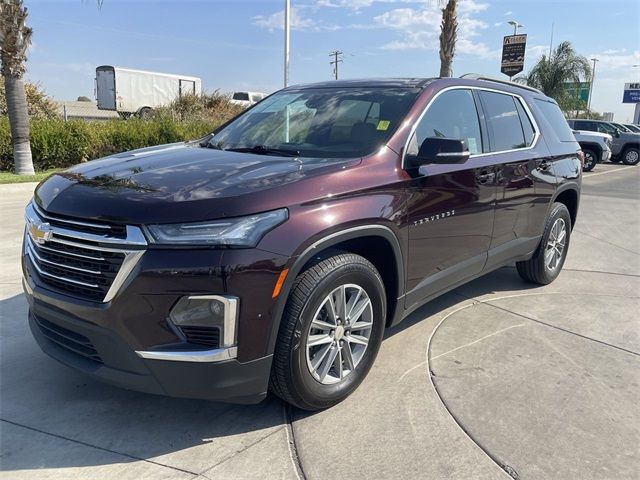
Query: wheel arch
column 569, row 196
column 377, row 243
column 593, row 146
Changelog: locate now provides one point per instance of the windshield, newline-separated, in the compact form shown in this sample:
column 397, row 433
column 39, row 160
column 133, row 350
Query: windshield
column 323, row 122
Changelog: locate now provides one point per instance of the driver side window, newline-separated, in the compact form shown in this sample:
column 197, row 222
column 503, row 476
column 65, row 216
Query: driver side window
column 452, row 115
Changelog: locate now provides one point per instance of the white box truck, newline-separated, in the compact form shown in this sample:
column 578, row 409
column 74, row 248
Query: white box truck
column 129, row 91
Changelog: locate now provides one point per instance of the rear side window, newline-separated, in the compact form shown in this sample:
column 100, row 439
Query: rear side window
column 241, row 96
column 452, row 115
column 503, row 121
column 556, row 120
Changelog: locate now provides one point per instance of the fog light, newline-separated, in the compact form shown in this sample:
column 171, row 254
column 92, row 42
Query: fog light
column 207, row 312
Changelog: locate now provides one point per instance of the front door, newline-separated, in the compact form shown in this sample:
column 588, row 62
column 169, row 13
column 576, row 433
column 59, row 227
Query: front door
column 451, row 207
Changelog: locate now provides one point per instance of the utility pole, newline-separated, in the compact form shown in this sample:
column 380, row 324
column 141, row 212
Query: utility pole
column 336, row 60
column 593, row 77
column 551, row 42
column 287, row 25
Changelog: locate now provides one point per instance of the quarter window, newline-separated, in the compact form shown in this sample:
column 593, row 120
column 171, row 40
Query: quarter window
column 527, row 127
column 453, row 114
column 503, row 122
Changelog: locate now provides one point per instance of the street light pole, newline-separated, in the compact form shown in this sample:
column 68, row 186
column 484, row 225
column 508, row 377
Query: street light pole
column 287, row 25
column 593, row 77
column 515, row 26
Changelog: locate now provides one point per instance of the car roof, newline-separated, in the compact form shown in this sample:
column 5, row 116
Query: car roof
column 421, row 83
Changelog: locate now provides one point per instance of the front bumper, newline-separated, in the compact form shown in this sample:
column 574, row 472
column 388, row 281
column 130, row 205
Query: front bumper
column 606, row 155
column 130, row 342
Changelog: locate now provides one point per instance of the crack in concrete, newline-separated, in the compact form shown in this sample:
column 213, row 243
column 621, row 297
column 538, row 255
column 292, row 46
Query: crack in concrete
column 291, row 442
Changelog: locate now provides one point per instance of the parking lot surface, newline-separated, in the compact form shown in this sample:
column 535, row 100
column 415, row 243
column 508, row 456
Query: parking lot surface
column 496, row 379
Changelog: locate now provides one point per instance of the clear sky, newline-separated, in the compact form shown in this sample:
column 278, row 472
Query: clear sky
column 238, row 44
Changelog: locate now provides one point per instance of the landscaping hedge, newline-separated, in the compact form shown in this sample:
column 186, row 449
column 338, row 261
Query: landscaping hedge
column 56, row 143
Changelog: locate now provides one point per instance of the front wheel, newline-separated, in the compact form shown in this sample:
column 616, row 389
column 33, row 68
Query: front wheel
column 590, row 159
column 330, row 332
column 631, row 156
column 547, row 261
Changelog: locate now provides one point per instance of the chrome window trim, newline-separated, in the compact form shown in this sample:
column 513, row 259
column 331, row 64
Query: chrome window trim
column 526, row 108
column 135, row 238
column 215, row 355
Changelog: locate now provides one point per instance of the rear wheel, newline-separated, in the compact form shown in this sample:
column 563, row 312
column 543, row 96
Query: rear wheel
column 590, row 159
column 631, row 156
column 330, row 332
column 547, row 261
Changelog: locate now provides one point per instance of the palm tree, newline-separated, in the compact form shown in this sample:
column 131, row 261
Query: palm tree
column 15, row 39
column 448, row 32
column 552, row 74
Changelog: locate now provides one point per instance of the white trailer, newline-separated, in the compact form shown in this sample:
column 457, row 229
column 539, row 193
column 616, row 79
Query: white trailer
column 130, row 91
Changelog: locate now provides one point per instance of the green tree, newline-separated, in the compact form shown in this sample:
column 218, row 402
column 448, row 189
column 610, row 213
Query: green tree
column 448, row 35
column 15, row 39
column 551, row 74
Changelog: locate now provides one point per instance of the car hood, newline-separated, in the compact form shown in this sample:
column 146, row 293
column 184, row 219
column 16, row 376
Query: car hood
column 588, row 133
column 178, row 182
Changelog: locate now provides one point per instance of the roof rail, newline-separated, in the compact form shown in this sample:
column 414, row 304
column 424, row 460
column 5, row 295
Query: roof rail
column 476, row 76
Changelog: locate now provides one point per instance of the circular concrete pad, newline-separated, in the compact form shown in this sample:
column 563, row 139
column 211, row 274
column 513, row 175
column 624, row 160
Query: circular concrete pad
column 546, row 383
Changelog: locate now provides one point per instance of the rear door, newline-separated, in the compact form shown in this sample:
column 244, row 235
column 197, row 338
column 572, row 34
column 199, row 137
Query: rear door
column 450, row 207
column 524, row 175
column 106, row 88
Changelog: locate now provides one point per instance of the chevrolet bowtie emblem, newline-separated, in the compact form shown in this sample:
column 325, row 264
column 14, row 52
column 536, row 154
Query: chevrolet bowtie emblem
column 40, row 232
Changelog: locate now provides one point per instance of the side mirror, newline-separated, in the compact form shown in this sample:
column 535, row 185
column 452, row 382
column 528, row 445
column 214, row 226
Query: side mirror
column 441, row 151
column 617, row 134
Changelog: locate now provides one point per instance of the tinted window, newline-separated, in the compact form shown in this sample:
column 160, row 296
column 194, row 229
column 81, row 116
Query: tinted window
column 241, row 96
column 556, row 120
column 527, row 127
column 452, row 115
column 584, row 125
column 503, row 121
column 606, row 128
column 324, row 122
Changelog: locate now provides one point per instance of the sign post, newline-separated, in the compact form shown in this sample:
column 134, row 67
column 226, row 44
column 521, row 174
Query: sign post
column 513, row 48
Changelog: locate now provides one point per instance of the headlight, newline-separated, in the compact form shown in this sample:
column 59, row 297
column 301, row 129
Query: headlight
column 238, row 232
column 608, row 142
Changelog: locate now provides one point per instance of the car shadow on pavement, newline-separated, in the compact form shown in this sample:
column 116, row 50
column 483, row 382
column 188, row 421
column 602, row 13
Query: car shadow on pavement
column 502, row 280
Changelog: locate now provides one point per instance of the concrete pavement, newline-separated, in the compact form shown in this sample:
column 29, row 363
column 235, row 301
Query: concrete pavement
column 497, row 378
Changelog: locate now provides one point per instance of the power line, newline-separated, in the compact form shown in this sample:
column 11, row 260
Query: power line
column 337, row 59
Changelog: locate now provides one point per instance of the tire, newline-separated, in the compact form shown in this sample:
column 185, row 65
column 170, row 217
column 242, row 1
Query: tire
column 631, row 156
column 293, row 377
column 145, row 113
column 538, row 269
column 591, row 159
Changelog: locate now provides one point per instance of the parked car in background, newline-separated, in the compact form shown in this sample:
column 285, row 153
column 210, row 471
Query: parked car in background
column 621, row 127
column 595, row 146
column 246, row 99
column 273, row 253
column 138, row 92
column 632, row 127
column 626, row 145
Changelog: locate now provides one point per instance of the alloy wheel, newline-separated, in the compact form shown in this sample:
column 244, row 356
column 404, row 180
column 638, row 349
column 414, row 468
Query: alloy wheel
column 555, row 244
column 339, row 334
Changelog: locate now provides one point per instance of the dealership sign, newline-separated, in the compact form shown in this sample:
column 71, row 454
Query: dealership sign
column 631, row 93
column 513, row 47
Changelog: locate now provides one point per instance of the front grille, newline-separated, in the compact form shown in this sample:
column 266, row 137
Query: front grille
column 73, row 259
column 209, row 336
column 71, row 341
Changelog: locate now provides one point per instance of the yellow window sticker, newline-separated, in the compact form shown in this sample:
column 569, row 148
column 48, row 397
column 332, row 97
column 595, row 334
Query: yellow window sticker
column 383, row 124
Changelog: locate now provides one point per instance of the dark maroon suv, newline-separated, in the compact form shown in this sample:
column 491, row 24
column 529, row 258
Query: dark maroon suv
column 272, row 254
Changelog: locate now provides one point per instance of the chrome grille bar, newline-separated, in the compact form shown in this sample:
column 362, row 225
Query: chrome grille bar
column 99, row 263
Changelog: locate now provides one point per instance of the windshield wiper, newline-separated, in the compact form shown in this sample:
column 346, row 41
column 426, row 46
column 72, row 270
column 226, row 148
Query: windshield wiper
column 264, row 150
